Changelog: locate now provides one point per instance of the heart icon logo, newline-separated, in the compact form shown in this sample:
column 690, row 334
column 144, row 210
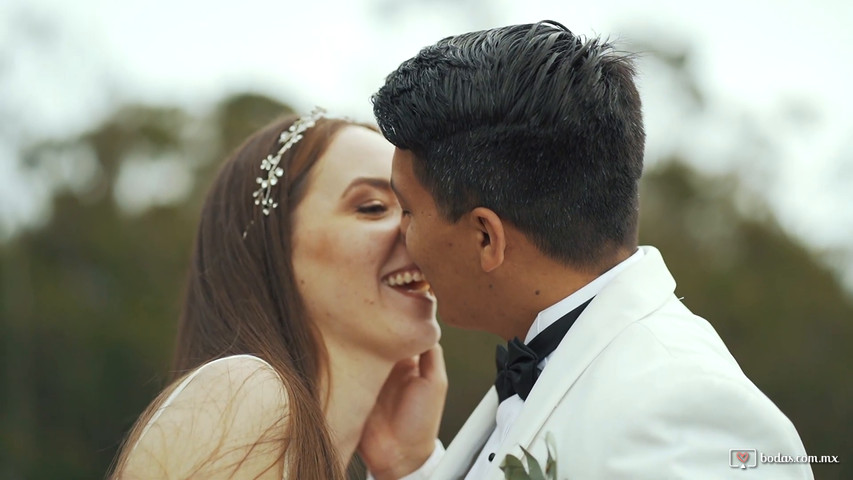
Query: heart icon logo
column 743, row 456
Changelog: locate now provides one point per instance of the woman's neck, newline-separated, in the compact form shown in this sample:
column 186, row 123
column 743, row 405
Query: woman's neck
column 355, row 378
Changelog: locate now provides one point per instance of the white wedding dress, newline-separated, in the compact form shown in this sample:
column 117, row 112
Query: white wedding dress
column 186, row 381
column 228, row 406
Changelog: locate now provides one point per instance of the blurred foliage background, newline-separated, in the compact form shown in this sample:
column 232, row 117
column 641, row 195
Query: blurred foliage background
column 89, row 301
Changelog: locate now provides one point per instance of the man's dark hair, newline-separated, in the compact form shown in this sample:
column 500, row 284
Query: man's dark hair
column 531, row 121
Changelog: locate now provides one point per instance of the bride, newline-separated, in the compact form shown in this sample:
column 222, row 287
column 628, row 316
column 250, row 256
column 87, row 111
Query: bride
column 302, row 306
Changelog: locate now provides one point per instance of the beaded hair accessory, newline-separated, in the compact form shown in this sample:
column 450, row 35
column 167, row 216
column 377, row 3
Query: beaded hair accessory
column 270, row 165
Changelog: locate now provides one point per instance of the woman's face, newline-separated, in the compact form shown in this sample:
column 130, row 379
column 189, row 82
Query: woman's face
column 359, row 285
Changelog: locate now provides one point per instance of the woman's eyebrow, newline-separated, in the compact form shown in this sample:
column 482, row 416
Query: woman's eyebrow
column 376, row 182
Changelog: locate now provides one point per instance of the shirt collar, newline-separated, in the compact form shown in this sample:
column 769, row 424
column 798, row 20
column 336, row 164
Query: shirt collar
column 555, row 312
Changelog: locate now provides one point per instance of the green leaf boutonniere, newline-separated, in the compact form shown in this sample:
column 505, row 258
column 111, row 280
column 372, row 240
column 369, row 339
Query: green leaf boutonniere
column 514, row 469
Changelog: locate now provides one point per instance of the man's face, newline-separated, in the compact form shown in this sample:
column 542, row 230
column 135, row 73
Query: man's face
column 445, row 252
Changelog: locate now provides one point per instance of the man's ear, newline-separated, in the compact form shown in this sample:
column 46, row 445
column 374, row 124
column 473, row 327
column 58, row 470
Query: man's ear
column 492, row 237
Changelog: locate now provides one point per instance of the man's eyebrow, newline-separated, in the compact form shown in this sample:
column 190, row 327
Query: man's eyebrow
column 397, row 192
column 375, row 182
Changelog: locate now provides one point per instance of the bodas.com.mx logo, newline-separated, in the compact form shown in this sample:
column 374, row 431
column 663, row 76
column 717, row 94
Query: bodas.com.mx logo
column 743, row 458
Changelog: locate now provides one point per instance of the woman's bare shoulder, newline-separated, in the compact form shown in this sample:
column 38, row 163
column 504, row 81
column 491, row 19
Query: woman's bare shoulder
column 228, row 420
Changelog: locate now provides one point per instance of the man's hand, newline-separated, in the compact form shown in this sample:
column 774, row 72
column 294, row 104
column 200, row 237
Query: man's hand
column 400, row 432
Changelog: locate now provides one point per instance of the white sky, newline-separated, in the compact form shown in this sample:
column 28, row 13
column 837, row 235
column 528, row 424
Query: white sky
column 65, row 64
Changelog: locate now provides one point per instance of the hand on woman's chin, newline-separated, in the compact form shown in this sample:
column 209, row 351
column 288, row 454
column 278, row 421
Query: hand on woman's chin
column 400, row 431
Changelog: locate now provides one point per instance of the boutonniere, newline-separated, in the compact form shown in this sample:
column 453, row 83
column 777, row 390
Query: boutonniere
column 514, row 469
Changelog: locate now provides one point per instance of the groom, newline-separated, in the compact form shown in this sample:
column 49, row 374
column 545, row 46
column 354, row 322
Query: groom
column 519, row 152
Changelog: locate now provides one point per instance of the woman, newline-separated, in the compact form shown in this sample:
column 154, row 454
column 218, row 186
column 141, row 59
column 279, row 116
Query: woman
column 301, row 303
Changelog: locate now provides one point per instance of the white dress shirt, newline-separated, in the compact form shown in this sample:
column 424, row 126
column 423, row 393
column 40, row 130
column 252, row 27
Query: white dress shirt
column 510, row 408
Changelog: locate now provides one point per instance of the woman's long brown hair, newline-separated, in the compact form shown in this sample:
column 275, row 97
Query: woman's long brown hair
column 242, row 298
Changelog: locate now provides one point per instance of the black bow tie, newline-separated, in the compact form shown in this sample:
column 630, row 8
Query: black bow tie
column 518, row 363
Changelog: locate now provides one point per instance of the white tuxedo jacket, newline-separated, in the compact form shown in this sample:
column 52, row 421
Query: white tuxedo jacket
column 640, row 388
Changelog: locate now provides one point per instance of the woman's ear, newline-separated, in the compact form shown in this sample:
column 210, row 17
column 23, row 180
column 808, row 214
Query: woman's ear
column 491, row 235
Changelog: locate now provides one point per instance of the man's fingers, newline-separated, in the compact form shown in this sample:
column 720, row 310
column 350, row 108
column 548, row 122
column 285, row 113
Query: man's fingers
column 404, row 368
column 432, row 365
column 397, row 379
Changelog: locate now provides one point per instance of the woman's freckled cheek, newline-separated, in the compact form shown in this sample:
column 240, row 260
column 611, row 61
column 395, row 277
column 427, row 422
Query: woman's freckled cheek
column 319, row 245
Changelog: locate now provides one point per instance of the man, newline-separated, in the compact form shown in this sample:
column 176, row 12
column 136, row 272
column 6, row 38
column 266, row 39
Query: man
column 519, row 152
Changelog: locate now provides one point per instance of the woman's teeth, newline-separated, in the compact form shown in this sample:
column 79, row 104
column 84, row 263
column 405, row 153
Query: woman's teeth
column 405, row 278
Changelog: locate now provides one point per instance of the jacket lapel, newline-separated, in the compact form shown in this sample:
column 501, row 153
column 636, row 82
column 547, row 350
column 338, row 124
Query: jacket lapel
column 463, row 450
column 633, row 294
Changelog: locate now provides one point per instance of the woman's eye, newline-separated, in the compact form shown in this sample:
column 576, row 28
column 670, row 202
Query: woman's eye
column 375, row 208
column 406, row 213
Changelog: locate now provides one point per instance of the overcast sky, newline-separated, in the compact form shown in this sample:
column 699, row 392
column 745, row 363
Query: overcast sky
column 783, row 65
